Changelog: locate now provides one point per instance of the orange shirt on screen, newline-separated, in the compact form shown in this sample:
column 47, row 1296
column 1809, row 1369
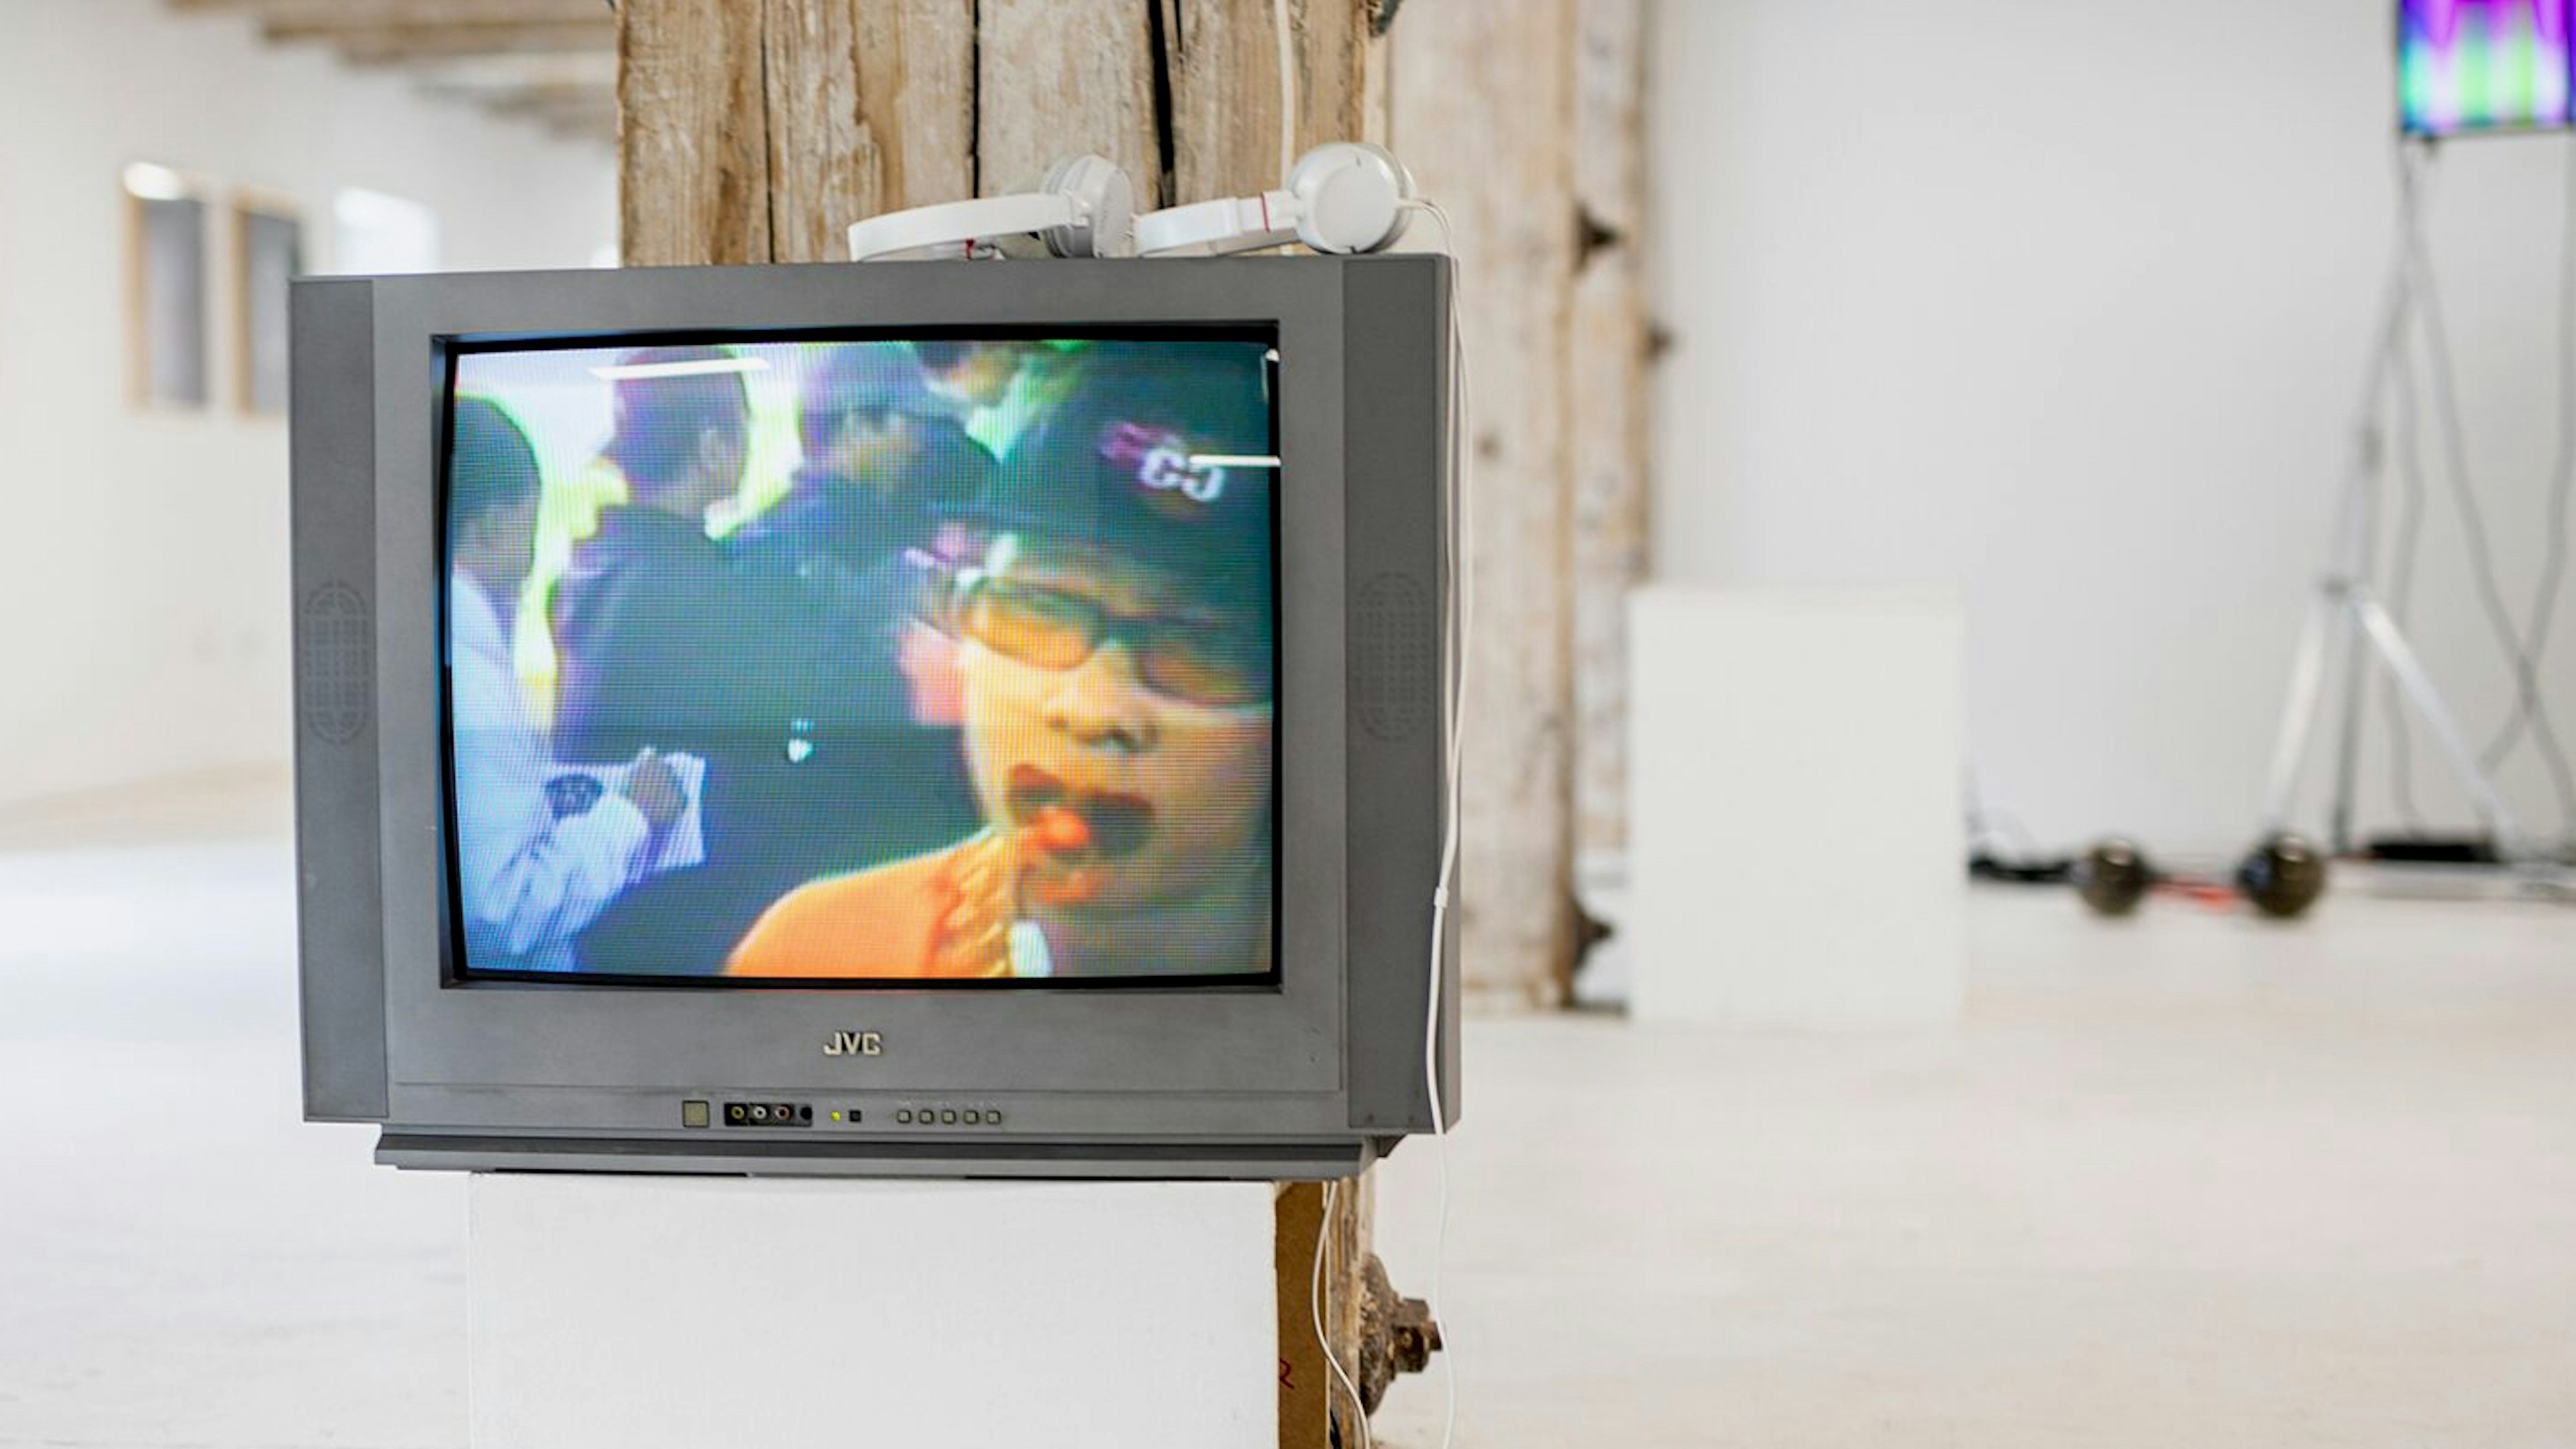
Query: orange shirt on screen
column 943, row 915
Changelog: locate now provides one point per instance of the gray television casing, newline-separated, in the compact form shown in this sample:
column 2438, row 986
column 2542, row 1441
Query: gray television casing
column 1311, row 1077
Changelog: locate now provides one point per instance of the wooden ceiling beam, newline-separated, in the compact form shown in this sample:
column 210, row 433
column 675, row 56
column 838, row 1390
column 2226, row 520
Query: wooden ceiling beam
column 586, row 119
column 487, row 74
column 555, row 104
column 552, row 62
column 550, row 98
column 325, row 14
column 389, row 44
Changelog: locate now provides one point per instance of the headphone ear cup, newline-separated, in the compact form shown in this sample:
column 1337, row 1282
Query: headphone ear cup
column 1350, row 197
column 1104, row 207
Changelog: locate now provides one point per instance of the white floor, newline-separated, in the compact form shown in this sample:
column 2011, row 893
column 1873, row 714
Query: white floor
column 2188, row 1181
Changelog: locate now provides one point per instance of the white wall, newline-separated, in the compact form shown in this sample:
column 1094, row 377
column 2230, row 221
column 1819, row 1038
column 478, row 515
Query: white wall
column 143, row 569
column 2067, row 305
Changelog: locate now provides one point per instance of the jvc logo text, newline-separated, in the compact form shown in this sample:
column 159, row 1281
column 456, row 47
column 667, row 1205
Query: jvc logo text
column 854, row 1044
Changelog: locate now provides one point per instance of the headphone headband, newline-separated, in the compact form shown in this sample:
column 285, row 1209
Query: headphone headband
column 1340, row 198
column 1086, row 207
column 1211, row 228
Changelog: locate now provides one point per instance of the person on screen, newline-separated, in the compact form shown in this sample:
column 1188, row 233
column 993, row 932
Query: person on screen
column 886, row 462
column 1116, row 647
column 641, row 608
column 540, row 851
column 888, row 475
column 1001, row 389
column 664, row 644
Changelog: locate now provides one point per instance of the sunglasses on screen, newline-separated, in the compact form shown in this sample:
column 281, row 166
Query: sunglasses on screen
column 1197, row 658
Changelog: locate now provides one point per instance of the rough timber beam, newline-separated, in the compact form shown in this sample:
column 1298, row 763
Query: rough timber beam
column 386, row 44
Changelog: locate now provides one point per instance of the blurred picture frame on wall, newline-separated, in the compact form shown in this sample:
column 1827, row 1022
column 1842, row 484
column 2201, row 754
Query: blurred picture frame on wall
column 268, row 253
column 168, row 365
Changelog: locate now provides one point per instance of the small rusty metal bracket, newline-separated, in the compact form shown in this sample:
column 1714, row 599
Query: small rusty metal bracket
column 1397, row 1334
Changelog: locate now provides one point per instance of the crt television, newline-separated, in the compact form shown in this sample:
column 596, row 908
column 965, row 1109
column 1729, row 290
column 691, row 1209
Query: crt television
column 920, row 718
column 2471, row 67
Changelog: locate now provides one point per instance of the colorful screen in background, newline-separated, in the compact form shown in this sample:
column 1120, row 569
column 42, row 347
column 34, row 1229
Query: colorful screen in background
column 863, row 661
column 2483, row 65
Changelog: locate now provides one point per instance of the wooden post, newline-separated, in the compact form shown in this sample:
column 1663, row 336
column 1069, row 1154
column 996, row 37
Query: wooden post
column 1223, row 63
column 1481, row 93
column 1054, row 76
column 1606, row 369
column 871, row 107
column 1311, row 1398
column 757, row 130
column 692, row 134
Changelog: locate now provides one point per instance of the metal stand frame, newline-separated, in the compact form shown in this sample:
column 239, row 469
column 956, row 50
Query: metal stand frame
column 2347, row 617
column 2347, row 614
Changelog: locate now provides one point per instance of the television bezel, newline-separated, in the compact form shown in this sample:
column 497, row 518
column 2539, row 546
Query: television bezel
column 1303, row 1077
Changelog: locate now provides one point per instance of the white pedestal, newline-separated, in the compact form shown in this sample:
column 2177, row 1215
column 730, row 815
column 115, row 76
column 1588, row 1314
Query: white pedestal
column 685, row 1313
column 1796, row 844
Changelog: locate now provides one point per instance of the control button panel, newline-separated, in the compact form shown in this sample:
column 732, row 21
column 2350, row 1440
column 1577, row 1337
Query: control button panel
column 699, row 1112
column 916, row 1115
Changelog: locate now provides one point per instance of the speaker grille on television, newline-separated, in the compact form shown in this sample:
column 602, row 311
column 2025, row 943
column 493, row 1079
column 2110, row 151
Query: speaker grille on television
column 336, row 660
column 1396, row 660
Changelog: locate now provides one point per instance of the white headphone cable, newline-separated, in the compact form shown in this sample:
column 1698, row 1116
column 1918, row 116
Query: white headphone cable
column 1460, row 542
column 1287, row 90
column 1315, row 1305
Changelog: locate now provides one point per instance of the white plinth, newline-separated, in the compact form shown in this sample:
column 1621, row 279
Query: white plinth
column 689, row 1313
column 1796, row 846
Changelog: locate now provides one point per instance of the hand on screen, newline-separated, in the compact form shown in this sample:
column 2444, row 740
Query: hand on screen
column 653, row 788
column 973, row 937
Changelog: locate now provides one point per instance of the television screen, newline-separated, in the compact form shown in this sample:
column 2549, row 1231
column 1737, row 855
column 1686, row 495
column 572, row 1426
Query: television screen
column 2483, row 65
column 918, row 660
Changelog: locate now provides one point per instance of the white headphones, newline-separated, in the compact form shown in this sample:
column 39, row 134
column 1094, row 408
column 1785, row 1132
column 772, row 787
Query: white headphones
column 1341, row 198
column 1085, row 207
